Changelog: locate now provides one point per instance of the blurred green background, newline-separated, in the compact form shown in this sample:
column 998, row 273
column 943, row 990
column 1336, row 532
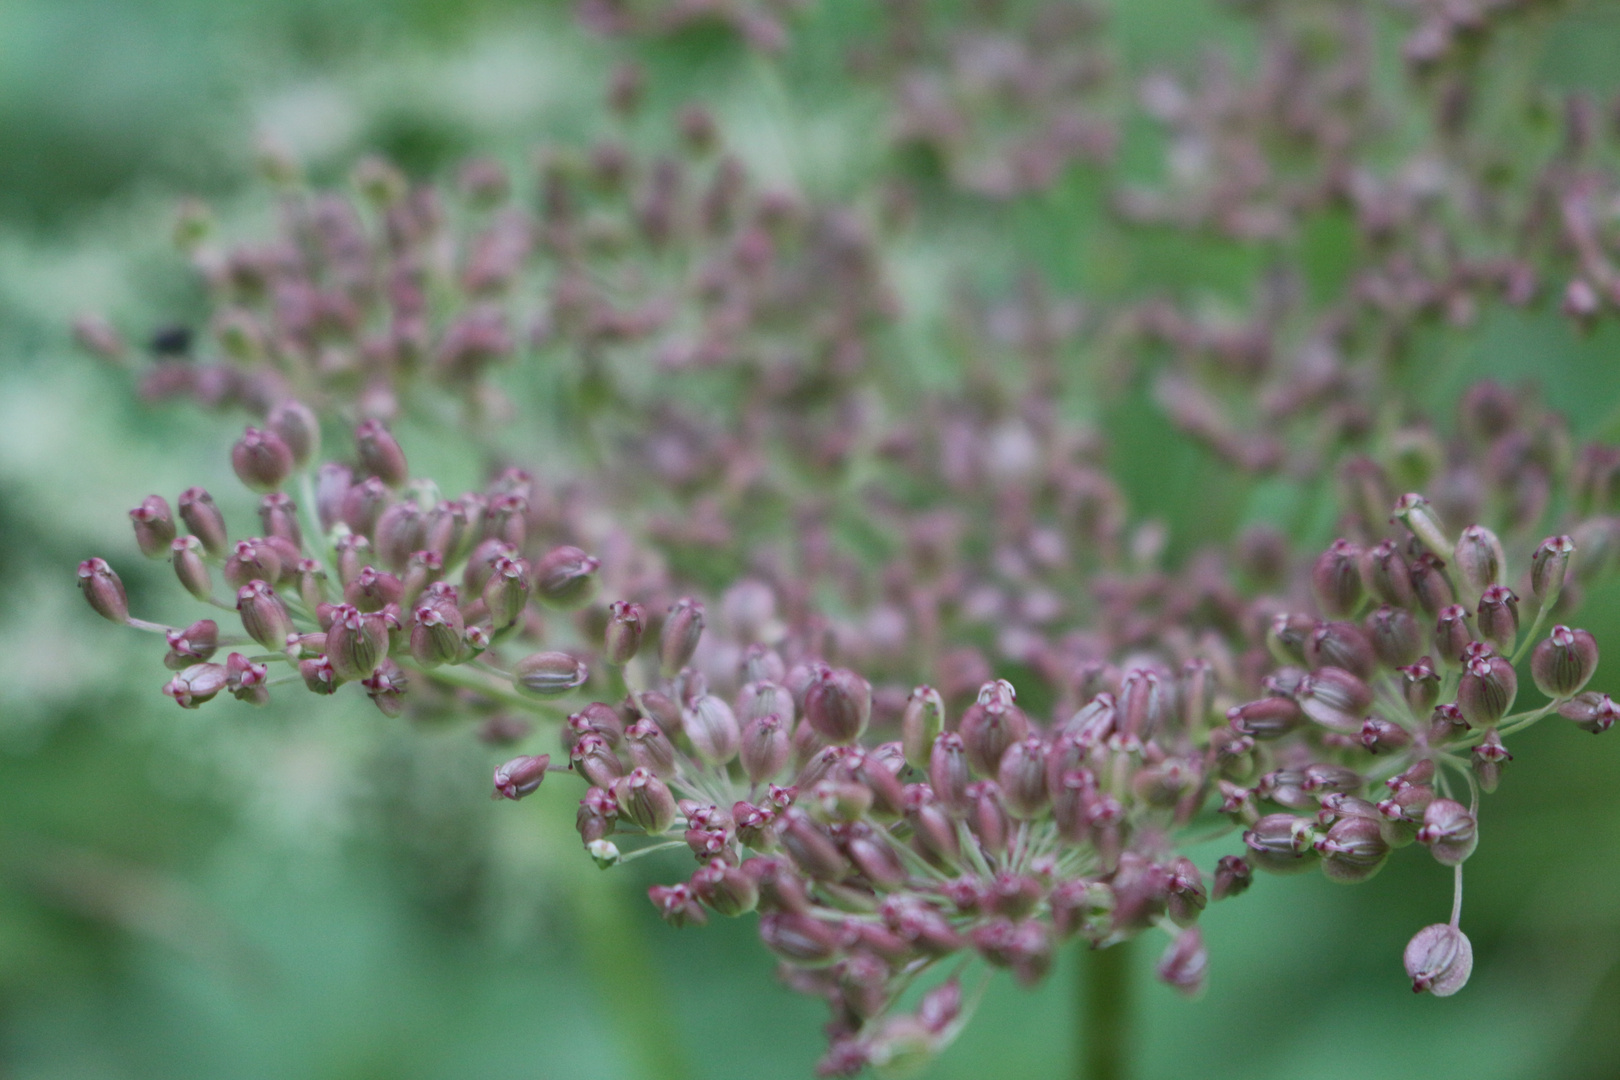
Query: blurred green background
column 296, row 892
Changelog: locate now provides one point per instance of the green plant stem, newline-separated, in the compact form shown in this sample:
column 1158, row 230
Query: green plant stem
column 1103, row 1032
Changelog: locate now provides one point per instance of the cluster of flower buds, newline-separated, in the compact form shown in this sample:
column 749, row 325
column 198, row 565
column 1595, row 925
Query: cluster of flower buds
column 876, row 848
column 376, row 580
column 1000, row 97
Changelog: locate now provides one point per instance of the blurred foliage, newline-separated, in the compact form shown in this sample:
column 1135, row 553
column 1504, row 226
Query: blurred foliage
column 321, row 894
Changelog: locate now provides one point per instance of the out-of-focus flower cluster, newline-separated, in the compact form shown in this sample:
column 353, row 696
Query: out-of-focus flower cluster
column 892, row 659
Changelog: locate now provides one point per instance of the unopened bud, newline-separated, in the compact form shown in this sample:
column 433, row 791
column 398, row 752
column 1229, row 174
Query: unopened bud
column 566, row 578
column 678, row 639
column 549, row 674
column 1185, row 962
column 1022, row 776
column 677, row 905
column 1487, row 689
column 622, row 640
column 196, row 684
column 1450, row 831
column 1488, row 759
column 1429, row 581
column 262, row 460
column 192, row 645
column 1548, row 568
column 355, row 641
column 506, row 593
column 1233, row 876
column 1387, row 576
column 1281, row 843
column 264, row 616
column 1498, row 618
column 203, row 519
column 992, row 724
column 1336, row 699
column 380, row 453
column 1396, row 639
column 649, row 747
column 838, row 705
column 1267, row 718
column 1452, row 633
column 1479, row 562
column 1439, row 959
column 103, row 590
column 1563, row 663
column 765, row 747
column 154, row 527
column 920, row 724
column 190, row 568
column 713, row 730
column 1343, row 645
column 437, row 634
column 1590, row 711
column 521, row 776
column 1418, row 516
column 948, row 770
column 295, row 422
column 1336, row 580
column 1353, row 849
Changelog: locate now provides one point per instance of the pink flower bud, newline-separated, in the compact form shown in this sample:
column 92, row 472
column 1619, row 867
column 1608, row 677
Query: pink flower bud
column 1488, row 759
column 437, row 634
column 1353, row 849
column 622, row 639
column 1439, row 959
column 1395, row 636
column 765, row 747
column 1022, row 776
column 506, row 593
column 1233, row 876
column 1281, row 843
column 154, row 527
column 1336, row 580
column 1429, row 581
column 1343, row 645
column 727, row 889
column 949, row 771
column 103, row 590
column 192, row 645
column 263, row 615
column 677, row 905
column 196, row 684
column 521, row 776
column 355, row 641
column 262, row 460
column 549, row 674
column 713, row 729
column 1267, row 718
column 1449, row 830
column 1563, row 663
column 295, row 422
column 1590, row 711
column 1498, row 618
column 1417, row 515
column 1479, row 561
column 1185, row 962
column 566, row 578
column 186, row 554
column 1549, row 565
column 678, row 640
column 203, row 519
column 649, row 747
column 1452, row 633
column 1387, row 576
column 319, row 675
column 372, row 590
column 246, row 679
column 380, row 454
column 1336, row 699
column 838, row 705
column 1487, row 689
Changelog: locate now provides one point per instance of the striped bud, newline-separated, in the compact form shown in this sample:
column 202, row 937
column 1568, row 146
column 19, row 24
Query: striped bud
column 549, row 674
column 566, row 578
column 622, row 639
column 103, row 590
column 1563, row 663
column 1438, row 960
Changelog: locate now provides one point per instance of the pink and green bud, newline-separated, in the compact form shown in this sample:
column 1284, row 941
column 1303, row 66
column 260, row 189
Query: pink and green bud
column 437, row 635
column 920, row 724
column 713, row 730
column 1563, row 664
column 1431, row 585
column 678, row 640
column 1233, row 876
column 593, row 758
column 298, row 428
column 204, row 521
column 1353, row 849
column 1267, row 718
column 727, row 889
column 948, row 770
column 1281, row 843
column 1479, row 561
column 1487, row 689
column 1343, row 645
column 1336, row 580
column 993, row 723
column 1488, row 760
column 1439, row 959
column 1336, row 699
column 262, row 460
column 1450, row 832
column 622, row 638
column 253, row 560
column 319, row 676
column 506, row 593
column 386, row 687
column 264, row 616
column 1022, row 777
column 1453, row 634
column 677, row 905
column 380, row 453
column 1420, row 686
column 246, row 680
column 103, row 590
column 278, row 515
column 1549, row 566
column 766, row 747
column 645, row 800
column 549, row 674
column 649, row 747
column 372, row 589
column 196, row 684
column 521, row 776
column 186, row 553
column 1498, row 618
column 1418, row 516
column 154, row 526
column 1396, row 639
column 356, row 642
column 566, row 578
column 838, row 705
column 1590, row 711
column 192, row 645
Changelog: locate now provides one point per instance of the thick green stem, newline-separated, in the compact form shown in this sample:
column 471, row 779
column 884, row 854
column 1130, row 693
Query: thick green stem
column 1103, row 1032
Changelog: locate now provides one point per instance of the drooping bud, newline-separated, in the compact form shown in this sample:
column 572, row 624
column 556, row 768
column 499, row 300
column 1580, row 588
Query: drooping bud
column 838, row 705
column 521, row 776
column 1450, row 831
column 811, row 849
column 801, row 940
column 725, row 888
column 920, row 724
column 380, row 453
column 678, row 639
column 1439, row 959
column 1488, row 759
column 154, row 527
column 1336, row 580
column 1498, row 618
column 1548, row 568
column 1479, row 562
column 1384, row 736
column 1590, row 711
column 1563, row 663
column 549, row 674
column 712, row 727
column 204, row 520
column 1487, row 689
column 196, row 684
column 677, row 904
column 566, row 578
column 622, row 639
column 103, row 590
